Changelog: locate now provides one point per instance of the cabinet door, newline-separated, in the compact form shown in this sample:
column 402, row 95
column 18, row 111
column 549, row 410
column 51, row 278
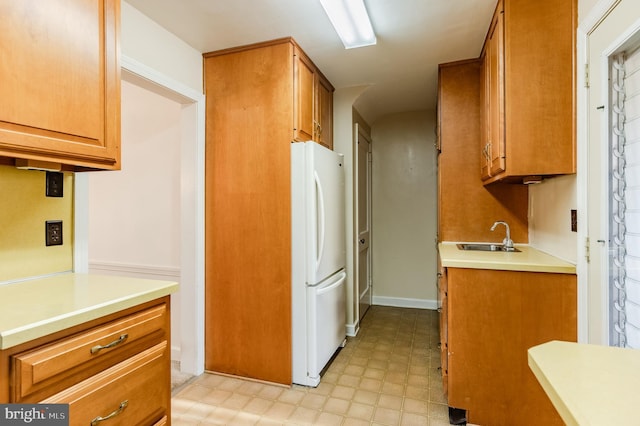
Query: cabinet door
column 495, row 122
column 443, row 310
column 324, row 112
column 303, row 125
column 60, row 73
column 485, row 156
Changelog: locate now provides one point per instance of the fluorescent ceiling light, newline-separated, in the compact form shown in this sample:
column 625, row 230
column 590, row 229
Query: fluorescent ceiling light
column 350, row 19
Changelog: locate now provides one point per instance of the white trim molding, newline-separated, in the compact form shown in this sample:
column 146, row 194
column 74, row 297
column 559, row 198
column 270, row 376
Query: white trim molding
column 142, row 271
column 353, row 329
column 401, row 302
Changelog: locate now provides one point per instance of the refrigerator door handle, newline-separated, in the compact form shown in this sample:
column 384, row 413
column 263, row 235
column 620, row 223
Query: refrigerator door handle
column 321, row 218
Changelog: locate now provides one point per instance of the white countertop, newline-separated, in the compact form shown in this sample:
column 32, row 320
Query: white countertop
column 527, row 260
column 589, row 384
column 35, row 308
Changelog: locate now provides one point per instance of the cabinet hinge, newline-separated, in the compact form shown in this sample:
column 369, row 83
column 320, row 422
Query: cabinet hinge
column 587, row 253
column 586, row 75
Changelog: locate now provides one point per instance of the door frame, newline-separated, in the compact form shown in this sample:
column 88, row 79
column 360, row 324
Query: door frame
column 592, row 296
column 190, row 350
column 359, row 130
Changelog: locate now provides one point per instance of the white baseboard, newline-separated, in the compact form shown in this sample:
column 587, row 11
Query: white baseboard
column 139, row 271
column 401, row 302
column 175, row 353
column 352, row 329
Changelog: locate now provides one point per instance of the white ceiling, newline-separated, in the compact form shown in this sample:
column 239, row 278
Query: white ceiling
column 414, row 36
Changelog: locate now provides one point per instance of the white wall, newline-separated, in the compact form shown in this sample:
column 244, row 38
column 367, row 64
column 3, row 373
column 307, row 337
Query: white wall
column 148, row 43
column 404, row 210
column 134, row 214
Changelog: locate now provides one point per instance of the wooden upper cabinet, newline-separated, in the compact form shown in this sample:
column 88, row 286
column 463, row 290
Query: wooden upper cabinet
column 324, row 112
column 303, row 128
column 495, row 92
column 313, row 110
column 528, row 82
column 60, row 73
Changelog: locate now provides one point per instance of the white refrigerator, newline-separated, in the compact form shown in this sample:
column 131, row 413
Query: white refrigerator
column 318, row 259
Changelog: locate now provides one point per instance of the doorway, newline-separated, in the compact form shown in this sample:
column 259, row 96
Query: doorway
column 188, row 308
column 363, row 215
column 617, row 31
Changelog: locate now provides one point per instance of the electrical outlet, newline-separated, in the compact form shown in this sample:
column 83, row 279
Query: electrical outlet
column 55, row 184
column 574, row 221
column 53, row 232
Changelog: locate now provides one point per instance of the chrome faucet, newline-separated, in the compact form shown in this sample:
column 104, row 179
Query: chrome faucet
column 507, row 242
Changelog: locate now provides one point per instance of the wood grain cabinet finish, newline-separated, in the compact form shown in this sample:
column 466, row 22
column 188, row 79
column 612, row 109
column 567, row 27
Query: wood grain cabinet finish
column 96, row 366
column 313, row 118
column 259, row 99
column 60, row 91
column 443, row 311
column 133, row 392
column 528, row 85
column 466, row 207
column 493, row 318
column 492, row 151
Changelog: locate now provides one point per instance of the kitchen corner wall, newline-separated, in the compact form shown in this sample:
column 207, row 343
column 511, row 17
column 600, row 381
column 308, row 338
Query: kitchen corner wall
column 25, row 209
column 404, row 210
column 550, row 205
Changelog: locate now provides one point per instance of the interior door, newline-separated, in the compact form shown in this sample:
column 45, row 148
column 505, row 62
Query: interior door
column 364, row 221
column 607, row 38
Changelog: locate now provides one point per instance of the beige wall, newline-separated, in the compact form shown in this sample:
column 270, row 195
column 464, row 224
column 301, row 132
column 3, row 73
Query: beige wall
column 404, row 210
column 25, row 208
column 550, row 205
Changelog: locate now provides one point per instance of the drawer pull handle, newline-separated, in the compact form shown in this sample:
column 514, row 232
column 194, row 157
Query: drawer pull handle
column 119, row 410
column 119, row 340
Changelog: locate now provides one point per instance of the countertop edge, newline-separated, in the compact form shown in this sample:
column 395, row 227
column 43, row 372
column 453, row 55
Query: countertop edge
column 534, row 260
column 17, row 336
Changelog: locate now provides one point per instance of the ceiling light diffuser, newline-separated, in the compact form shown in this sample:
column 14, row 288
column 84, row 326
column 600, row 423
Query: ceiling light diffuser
column 351, row 21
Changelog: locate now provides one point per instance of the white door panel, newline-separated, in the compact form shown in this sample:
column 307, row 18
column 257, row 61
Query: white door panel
column 607, row 37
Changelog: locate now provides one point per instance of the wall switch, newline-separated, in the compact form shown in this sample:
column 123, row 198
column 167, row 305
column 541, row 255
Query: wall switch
column 53, row 232
column 574, row 221
column 55, row 184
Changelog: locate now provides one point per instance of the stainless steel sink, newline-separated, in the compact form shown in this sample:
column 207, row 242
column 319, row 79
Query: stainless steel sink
column 485, row 247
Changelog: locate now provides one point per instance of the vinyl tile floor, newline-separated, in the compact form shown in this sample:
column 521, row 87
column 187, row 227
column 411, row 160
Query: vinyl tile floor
column 387, row 375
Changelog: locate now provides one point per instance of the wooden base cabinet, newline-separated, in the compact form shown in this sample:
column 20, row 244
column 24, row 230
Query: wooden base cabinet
column 117, row 367
column 493, row 318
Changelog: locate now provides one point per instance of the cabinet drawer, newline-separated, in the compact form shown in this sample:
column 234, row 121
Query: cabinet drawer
column 133, row 392
column 77, row 357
